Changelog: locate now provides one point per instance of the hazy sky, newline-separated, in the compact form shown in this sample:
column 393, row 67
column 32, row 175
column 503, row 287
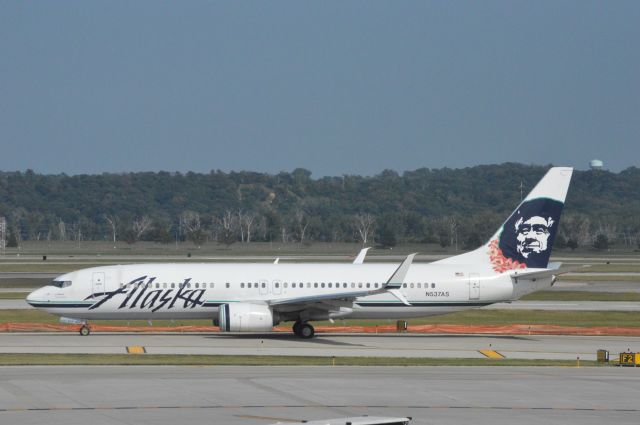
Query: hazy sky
column 337, row 87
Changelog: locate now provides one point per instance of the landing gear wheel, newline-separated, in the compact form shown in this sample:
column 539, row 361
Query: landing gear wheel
column 85, row 330
column 296, row 328
column 306, row 331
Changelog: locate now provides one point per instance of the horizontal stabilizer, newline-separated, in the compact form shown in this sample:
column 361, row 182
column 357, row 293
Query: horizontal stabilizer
column 541, row 274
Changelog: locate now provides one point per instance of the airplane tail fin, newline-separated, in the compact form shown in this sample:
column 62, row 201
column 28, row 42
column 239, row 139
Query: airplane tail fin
column 525, row 239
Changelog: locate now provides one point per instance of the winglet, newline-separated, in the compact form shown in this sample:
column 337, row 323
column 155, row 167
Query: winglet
column 360, row 258
column 397, row 278
column 277, row 260
column 396, row 293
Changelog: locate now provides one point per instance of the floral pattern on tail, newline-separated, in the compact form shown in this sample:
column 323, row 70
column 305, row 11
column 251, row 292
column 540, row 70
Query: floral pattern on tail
column 501, row 263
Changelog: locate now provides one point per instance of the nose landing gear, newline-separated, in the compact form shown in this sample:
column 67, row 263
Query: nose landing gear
column 303, row 330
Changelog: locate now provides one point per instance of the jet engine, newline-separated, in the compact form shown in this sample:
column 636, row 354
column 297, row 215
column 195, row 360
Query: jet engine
column 246, row 317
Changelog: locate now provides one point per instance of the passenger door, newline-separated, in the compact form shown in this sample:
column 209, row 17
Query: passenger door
column 98, row 282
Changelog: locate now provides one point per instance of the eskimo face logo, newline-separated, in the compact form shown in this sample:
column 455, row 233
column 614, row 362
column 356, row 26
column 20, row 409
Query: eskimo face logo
column 527, row 236
column 533, row 235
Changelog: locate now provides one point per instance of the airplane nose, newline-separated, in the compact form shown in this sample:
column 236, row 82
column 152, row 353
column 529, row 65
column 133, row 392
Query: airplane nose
column 35, row 296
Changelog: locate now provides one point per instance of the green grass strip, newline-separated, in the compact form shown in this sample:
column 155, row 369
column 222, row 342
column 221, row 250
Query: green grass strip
column 610, row 268
column 13, row 295
column 582, row 296
column 579, row 277
column 209, row 360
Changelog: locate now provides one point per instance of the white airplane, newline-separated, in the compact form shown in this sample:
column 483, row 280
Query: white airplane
column 255, row 297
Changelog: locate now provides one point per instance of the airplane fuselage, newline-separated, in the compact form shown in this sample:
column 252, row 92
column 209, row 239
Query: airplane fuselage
column 195, row 291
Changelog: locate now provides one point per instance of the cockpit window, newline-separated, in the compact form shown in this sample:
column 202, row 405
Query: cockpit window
column 61, row 283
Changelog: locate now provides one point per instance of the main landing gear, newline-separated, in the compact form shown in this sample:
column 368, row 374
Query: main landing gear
column 85, row 330
column 303, row 330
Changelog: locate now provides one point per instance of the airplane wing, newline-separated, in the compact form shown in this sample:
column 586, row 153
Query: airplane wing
column 395, row 281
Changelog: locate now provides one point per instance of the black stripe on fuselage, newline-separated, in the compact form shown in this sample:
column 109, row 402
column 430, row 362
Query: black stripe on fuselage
column 421, row 304
column 59, row 305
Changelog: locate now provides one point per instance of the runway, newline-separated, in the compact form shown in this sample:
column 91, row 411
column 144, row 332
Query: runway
column 115, row 395
column 339, row 345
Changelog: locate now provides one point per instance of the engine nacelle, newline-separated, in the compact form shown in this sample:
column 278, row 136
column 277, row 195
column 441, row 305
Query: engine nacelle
column 246, row 317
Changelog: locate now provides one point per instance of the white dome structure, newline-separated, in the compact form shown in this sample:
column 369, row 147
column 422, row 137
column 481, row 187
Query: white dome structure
column 596, row 164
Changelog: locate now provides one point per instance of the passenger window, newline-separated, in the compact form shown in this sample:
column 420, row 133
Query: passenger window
column 418, row 284
column 164, row 285
column 277, row 285
column 433, row 285
column 322, row 284
column 404, row 285
column 228, row 285
column 285, row 284
column 242, row 284
column 329, row 284
column 360, row 285
column 211, row 285
column 353, row 284
column 412, row 285
column 173, row 285
column 264, row 285
column 368, row 285
column 315, row 285
column 344, row 284
column 376, row 285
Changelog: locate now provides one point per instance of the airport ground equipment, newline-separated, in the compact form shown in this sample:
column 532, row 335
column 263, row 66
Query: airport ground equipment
column 602, row 356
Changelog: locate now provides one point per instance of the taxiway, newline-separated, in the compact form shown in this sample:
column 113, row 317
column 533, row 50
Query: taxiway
column 340, row 345
column 116, row 395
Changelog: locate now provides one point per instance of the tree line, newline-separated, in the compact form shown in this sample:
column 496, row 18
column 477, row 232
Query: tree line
column 450, row 207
